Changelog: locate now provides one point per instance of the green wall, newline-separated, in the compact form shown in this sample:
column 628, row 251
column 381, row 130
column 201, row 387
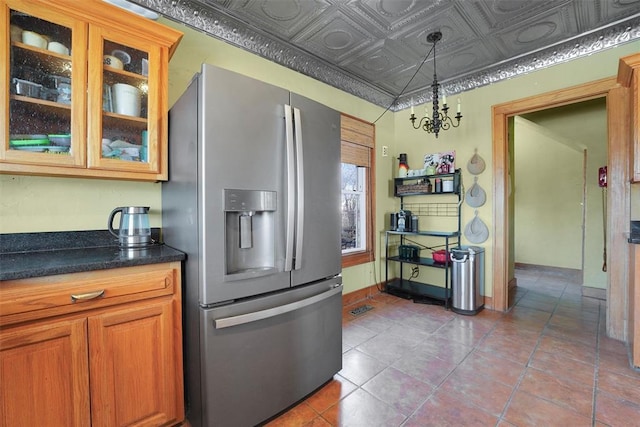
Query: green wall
column 37, row 204
column 547, row 188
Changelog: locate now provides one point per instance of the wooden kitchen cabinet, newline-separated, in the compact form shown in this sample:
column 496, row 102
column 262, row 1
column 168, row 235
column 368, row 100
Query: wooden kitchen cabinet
column 634, row 305
column 67, row 112
column 111, row 358
column 629, row 76
column 44, row 371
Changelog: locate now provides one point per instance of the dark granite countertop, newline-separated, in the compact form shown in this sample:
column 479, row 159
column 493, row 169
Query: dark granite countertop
column 25, row 255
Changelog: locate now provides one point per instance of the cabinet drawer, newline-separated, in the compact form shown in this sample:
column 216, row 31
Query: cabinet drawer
column 29, row 299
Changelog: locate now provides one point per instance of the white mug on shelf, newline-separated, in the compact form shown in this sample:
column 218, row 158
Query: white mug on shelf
column 122, row 56
column 58, row 48
column 126, row 99
column 34, row 39
column 112, row 62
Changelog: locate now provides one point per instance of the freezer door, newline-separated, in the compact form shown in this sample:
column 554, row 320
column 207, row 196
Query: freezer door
column 261, row 356
column 241, row 154
column 319, row 255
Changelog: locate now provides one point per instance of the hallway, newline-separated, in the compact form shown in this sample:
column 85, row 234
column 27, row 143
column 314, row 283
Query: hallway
column 547, row 362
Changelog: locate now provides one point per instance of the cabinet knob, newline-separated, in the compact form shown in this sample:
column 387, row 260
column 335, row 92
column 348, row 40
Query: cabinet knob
column 87, row 296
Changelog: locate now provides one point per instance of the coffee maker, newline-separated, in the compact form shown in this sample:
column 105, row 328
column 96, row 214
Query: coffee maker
column 403, row 221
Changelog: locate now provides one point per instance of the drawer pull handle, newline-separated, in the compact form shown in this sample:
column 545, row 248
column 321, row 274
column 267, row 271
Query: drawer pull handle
column 87, row 296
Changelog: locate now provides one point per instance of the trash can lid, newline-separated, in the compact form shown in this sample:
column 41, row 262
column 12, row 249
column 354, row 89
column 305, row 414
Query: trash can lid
column 460, row 250
column 467, row 249
column 475, row 249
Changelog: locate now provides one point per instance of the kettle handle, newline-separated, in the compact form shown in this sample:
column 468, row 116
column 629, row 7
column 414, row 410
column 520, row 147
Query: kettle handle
column 110, row 221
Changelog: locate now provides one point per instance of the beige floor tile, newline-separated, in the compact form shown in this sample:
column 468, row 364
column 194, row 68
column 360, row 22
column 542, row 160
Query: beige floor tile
column 615, row 411
column 362, row 409
column 526, row 410
column 445, row 409
column 330, row 393
column 565, row 367
column 561, row 391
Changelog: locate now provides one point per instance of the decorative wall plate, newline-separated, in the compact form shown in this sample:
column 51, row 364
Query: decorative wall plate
column 476, row 164
column 475, row 196
column 476, row 230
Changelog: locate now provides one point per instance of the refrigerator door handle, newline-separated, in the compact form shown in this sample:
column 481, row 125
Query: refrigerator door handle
column 300, row 187
column 227, row 322
column 291, row 190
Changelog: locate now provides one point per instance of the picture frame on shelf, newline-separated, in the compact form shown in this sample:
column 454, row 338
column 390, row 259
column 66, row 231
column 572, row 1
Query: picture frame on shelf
column 444, row 162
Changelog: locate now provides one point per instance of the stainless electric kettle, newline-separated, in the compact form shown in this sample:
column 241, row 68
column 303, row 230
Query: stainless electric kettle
column 134, row 230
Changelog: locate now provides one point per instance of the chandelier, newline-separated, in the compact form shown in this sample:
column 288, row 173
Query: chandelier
column 440, row 120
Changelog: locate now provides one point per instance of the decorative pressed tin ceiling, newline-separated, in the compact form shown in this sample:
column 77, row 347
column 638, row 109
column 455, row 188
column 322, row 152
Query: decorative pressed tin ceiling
column 372, row 48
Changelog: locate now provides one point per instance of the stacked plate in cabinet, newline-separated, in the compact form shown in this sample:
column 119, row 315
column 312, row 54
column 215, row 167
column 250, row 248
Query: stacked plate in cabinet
column 41, row 143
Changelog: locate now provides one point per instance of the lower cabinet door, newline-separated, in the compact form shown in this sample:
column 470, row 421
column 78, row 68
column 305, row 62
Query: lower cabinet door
column 132, row 366
column 44, row 375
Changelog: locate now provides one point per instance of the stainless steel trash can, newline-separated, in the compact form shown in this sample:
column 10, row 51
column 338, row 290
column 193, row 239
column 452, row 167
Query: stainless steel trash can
column 467, row 279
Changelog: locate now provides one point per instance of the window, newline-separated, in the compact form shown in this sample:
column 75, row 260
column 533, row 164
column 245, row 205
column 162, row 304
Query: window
column 354, row 208
column 357, row 191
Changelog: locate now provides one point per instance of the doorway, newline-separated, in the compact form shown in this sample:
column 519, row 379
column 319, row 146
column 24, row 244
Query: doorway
column 618, row 128
column 557, row 202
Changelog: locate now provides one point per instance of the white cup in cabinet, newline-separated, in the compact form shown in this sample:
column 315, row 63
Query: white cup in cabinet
column 34, row 39
column 58, row 48
column 126, row 99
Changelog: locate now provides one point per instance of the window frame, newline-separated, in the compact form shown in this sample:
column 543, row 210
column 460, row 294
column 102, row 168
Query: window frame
column 361, row 133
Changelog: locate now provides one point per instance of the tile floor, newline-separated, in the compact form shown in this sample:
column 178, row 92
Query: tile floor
column 547, row 362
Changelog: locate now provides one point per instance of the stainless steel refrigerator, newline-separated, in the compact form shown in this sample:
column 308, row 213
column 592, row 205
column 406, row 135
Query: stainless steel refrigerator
column 253, row 198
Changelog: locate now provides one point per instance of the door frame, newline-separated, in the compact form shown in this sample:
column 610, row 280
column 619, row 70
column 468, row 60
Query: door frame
column 500, row 130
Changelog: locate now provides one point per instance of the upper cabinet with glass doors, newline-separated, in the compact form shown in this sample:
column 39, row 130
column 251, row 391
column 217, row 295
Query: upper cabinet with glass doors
column 87, row 90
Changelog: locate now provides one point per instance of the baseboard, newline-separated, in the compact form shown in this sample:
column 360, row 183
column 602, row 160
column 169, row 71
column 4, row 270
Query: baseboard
column 570, row 274
column 513, row 283
column 371, row 291
column 596, row 293
column 360, row 295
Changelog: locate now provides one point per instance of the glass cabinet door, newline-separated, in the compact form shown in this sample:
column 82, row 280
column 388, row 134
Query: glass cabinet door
column 123, row 111
column 46, row 101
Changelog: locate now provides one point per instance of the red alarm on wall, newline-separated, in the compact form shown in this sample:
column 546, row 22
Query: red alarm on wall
column 602, row 176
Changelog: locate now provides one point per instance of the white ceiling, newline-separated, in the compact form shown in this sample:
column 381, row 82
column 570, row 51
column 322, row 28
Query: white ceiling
column 372, row 48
